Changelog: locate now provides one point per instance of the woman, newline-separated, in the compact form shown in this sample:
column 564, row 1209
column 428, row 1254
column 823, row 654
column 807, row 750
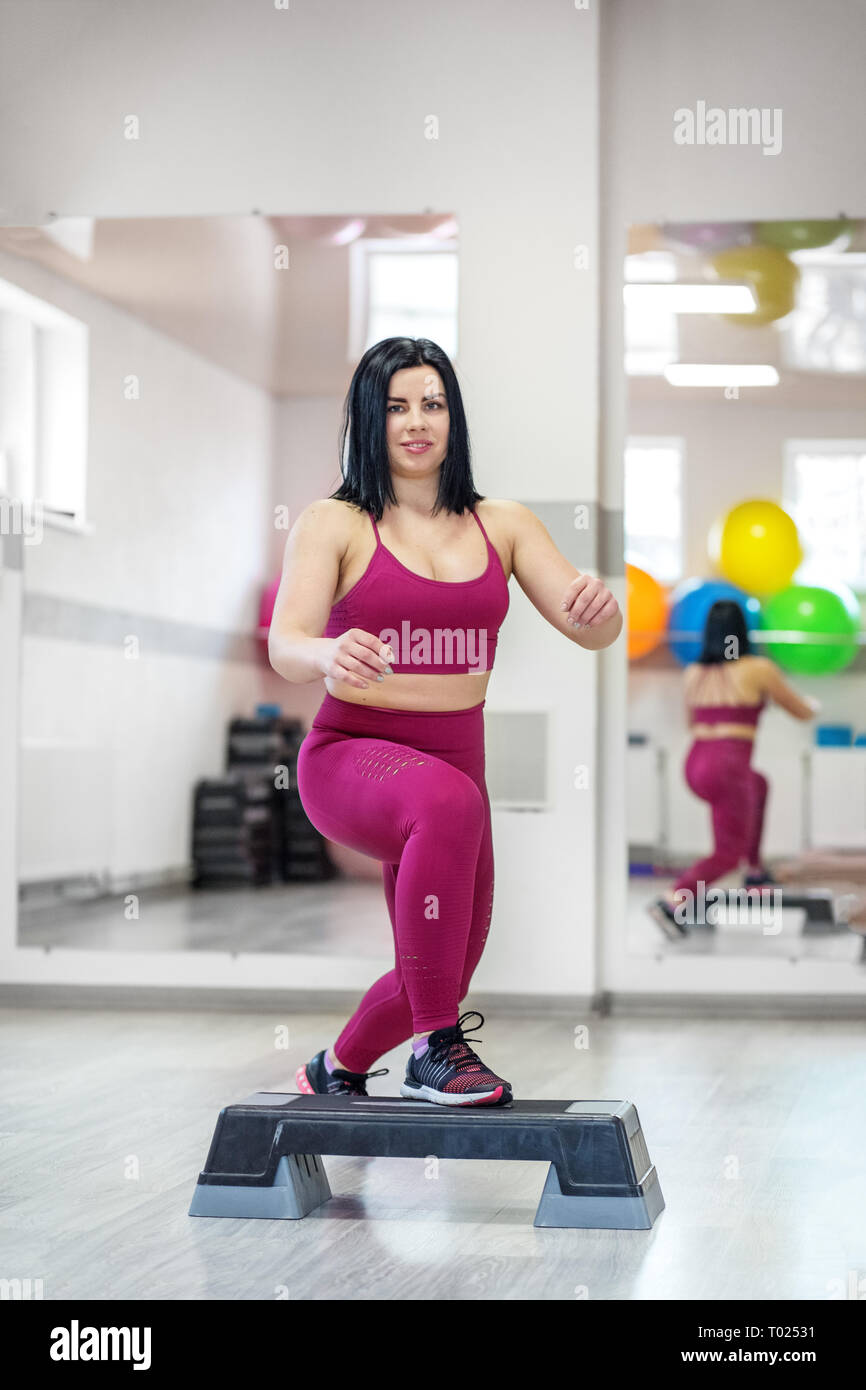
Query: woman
column 399, row 580
column 725, row 691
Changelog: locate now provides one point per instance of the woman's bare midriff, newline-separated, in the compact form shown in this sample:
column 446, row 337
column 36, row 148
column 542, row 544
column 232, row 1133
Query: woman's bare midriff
column 415, row 692
column 723, row 731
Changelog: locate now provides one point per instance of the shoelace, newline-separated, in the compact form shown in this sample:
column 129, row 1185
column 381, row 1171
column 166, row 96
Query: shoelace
column 355, row 1078
column 451, row 1044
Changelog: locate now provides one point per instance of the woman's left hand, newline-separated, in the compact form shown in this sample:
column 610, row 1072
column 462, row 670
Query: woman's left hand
column 588, row 603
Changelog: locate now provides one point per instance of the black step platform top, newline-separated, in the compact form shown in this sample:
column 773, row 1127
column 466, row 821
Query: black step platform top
column 594, row 1145
column 798, row 897
column 819, row 903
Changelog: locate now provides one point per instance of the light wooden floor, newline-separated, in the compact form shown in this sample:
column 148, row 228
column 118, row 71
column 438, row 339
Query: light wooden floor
column 758, row 1131
column 347, row 917
column 340, row 917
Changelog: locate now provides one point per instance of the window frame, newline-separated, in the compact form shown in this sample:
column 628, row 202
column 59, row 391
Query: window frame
column 827, row 447
column 360, row 251
column 59, row 344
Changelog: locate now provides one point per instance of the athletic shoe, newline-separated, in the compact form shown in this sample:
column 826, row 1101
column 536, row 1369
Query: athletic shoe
column 314, row 1079
column 663, row 914
column 758, row 880
column 450, row 1073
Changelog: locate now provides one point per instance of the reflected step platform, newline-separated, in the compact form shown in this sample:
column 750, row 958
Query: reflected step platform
column 818, row 905
column 265, row 1158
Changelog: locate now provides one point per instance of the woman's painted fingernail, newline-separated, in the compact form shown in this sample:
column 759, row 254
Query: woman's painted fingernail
column 389, row 670
column 380, row 678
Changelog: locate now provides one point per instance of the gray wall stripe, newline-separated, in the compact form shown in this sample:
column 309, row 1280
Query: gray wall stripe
column 531, row 1006
column 611, row 543
column 272, row 1001
column 45, row 615
column 11, row 551
column 595, row 543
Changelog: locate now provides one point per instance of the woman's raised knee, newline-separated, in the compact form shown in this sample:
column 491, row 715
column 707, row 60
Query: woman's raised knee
column 452, row 804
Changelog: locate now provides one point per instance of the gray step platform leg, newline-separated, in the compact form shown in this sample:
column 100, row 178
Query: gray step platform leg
column 591, row 1213
column 300, row 1185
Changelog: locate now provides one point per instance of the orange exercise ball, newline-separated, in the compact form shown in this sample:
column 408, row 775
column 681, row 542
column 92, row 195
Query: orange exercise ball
column 646, row 610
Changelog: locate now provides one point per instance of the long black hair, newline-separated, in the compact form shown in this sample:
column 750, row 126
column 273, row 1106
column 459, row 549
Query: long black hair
column 364, row 465
column 724, row 621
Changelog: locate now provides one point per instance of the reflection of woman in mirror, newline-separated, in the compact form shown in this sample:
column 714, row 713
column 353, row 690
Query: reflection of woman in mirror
column 393, row 590
column 725, row 691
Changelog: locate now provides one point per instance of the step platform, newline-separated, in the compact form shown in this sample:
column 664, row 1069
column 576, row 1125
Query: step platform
column 265, row 1155
column 817, row 904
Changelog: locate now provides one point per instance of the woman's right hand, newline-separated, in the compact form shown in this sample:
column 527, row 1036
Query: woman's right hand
column 354, row 655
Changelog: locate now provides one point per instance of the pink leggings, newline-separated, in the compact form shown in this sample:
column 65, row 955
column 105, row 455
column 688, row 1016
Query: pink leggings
column 719, row 771
column 408, row 788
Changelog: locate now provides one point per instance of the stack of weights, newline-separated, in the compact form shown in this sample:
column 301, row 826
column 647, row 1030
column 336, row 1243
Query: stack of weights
column 249, row 826
column 231, row 832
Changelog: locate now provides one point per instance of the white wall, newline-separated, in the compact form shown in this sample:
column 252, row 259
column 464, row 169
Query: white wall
column 306, row 467
column 657, row 56
column 178, row 497
column 734, row 451
column 318, row 109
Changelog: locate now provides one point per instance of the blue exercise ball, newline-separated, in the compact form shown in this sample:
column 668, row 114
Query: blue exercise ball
column 691, row 601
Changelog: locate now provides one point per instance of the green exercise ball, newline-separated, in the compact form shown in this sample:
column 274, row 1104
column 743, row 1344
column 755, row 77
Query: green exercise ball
column 801, row 235
column 822, row 625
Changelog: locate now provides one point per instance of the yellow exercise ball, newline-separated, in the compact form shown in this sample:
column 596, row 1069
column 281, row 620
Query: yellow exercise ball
column 771, row 274
column 756, row 546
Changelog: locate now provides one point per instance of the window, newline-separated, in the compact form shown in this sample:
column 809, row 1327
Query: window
column 653, row 506
column 43, row 406
column 827, row 330
column 402, row 287
column 825, row 493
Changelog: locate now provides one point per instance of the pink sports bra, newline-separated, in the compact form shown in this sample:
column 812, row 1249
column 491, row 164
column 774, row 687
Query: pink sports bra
column 434, row 626
column 726, row 714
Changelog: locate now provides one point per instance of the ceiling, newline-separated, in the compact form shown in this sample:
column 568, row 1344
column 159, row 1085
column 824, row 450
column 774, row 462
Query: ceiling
column 711, row 338
column 212, row 284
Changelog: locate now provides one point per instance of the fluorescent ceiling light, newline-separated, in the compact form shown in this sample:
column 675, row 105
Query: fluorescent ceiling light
column 647, row 361
column 649, row 267
column 349, row 233
column 447, row 229
column 73, row 234
column 720, row 374
column 691, row 299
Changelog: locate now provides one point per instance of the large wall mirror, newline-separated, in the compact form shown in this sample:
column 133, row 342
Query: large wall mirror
column 172, row 391
column 745, row 531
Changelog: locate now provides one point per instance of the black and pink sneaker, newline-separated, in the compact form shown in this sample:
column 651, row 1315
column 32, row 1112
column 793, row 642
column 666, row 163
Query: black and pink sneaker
column 314, row 1079
column 765, row 878
column 449, row 1073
